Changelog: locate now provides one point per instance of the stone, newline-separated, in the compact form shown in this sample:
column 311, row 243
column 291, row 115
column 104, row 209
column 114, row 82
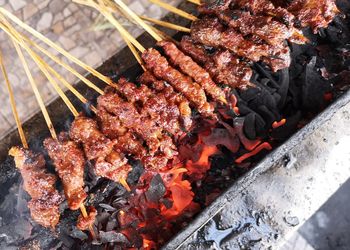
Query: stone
column 17, row 4
column 58, row 28
column 57, row 6
column 79, row 51
column 42, row 4
column 2, row 2
column 45, row 21
column 66, row 42
column 29, row 10
column 137, row 7
column 69, row 22
column 66, row 12
column 93, row 59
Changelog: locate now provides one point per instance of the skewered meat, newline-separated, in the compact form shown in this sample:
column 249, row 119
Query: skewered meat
column 223, row 66
column 110, row 125
column 173, row 98
column 314, row 13
column 255, row 6
column 40, row 185
column 130, row 144
column 128, row 115
column 108, row 163
column 165, row 114
column 133, row 93
column 192, row 69
column 162, row 70
column 86, row 223
column 85, row 130
column 69, row 163
column 210, row 32
column 269, row 30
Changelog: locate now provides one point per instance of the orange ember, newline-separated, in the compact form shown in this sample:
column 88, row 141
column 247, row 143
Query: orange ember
column 279, row 124
column 262, row 146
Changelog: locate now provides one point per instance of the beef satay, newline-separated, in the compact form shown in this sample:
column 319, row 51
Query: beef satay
column 192, row 69
column 160, row 67
column 210, row 32
column 165, row 114
column 315, row 14
column 265, row 27
column 69, row 163
column 109, row 163
column 40, row 185
column 223, row 66
column 172, row 97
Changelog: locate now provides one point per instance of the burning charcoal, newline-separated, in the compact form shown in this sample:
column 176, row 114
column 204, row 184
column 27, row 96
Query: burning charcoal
column 111, row 224
column 112, row 236
column 249, row 126
column 283, row 83
column 156, row 189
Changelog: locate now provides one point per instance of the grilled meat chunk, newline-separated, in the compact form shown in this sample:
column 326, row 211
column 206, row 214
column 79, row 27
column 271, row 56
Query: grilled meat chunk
column 86, row 223
column 69, row 163
column 160, row 67
column 192, row 69
column 314, row 13
column 85, row 130
column 40, row 185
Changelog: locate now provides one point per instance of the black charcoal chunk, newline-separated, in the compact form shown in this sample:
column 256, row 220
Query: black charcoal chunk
column 113, row 237
column 157, row 189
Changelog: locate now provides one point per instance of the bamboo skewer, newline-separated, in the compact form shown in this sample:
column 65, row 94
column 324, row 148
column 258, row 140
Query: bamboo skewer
column 13, row 103
column 174, row 10
column 198, row 2
column 166, row 24
column 50, row 43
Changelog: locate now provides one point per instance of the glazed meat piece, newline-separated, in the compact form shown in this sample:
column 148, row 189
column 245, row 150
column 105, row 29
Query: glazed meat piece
column 110, row 125
column 129, row 117
column 130, row 144
column 210, row 32
column 314, row 13
column 214, row 6
column 265, row 7
column 40, row 185
column 172, row 97
column 85, row 130
column 192, row 69
column 227, row 69
column 133, row 93
column 69, row 163
column 267, row 29
column 223, row 66
column 114, row 166
column 280, row 60
column 87, row 223
column 164, row 114
column 160, row 67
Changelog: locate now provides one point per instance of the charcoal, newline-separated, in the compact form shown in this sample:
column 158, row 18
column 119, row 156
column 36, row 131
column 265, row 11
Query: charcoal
column 249, row 126
column 156, row 189
column 111, row 224
column 283, row 83
column 112, row 236
column 267, row 114
column 78, row 234
column 136, row 172
column 107, row 207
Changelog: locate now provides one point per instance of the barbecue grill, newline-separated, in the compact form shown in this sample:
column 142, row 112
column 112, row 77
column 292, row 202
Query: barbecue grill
column 210, row 226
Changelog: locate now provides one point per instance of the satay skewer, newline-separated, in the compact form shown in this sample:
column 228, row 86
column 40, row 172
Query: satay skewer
column 17, row 43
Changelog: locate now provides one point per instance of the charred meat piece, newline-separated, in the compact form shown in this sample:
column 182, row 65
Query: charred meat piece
column 133, row 93
column 314, row 13
column 40, row 185
column 130, row 144
column 85, row 130
column 69, row 163
column 155, row 105
column 227, row 69
column 172, row 97
column 269, row 30
column 86, row 223
column 192, row 69
column 223, row 66
column 110, row 125
column 210, row 32
column 265, row 7
column 129, row 117
column 214, row 6
column 160, row 67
